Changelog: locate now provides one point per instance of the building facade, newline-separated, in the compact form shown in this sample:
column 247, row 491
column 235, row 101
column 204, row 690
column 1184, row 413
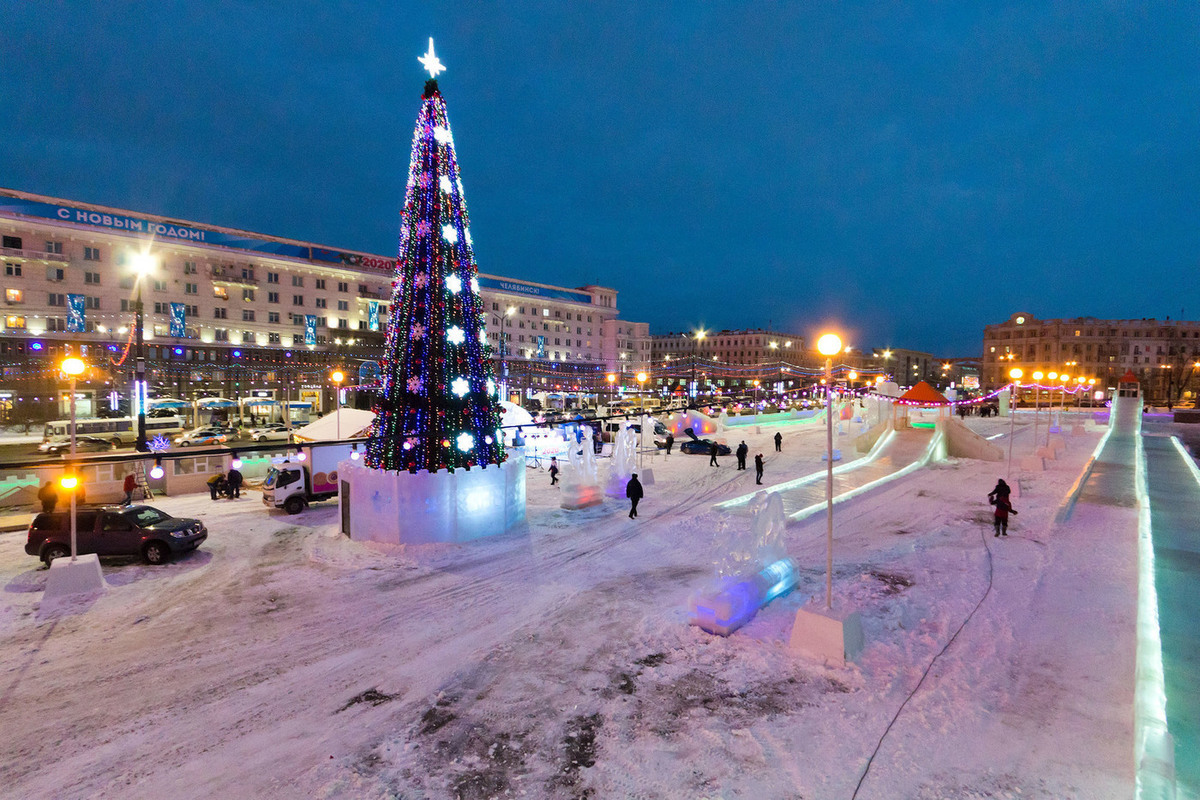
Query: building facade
column 1164, row 354
column 238, row 314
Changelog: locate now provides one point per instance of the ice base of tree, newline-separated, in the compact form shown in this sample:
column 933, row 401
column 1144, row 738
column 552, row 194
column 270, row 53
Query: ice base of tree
column 403, row 508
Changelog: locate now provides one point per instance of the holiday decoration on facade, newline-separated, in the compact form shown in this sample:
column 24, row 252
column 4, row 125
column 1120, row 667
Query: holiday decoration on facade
column 438, row 407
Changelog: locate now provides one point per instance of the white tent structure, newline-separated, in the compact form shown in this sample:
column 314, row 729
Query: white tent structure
column 351, row 423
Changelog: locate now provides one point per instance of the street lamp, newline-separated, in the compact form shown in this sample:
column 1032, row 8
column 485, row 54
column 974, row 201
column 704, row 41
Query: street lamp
column 1014, row 375
column 756, row 383
column 641, row 379
column 612, row 390
column 697, row 336
column 1037, row 388
column 72, row 367
column 504, row 323
column 143, row 264
column 337, row 376
column 829, row 345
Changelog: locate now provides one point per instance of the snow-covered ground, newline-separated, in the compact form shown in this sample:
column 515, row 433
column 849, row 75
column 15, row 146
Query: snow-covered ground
column 283, row 660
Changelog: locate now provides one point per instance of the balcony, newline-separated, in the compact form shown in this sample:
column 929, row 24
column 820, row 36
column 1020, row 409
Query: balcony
column 33, row 255
column 233, row 276
column 367, row 294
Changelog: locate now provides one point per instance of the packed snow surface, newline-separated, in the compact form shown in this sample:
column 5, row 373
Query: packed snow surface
column 283, row 660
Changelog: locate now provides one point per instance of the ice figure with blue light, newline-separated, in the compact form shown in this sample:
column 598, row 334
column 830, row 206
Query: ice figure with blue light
column 624, row 460
column 435, row 468
column 752, row 569
column 580, row 486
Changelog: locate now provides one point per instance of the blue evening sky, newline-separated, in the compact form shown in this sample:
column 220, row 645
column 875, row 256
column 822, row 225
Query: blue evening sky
column 909, row 172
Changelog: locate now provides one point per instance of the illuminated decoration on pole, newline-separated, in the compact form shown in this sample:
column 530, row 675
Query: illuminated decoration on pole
column 436, row 383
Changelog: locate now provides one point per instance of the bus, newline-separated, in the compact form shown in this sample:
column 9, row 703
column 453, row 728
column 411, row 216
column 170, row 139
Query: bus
column 119, row 430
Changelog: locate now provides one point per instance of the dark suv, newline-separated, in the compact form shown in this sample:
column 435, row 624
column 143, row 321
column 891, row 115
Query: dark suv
column 114, row 531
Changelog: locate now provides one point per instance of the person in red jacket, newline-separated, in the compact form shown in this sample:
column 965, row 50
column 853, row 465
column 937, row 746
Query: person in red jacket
column 1003, row 509
column 129, row 485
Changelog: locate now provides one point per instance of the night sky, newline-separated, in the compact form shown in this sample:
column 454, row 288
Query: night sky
column 908, row 175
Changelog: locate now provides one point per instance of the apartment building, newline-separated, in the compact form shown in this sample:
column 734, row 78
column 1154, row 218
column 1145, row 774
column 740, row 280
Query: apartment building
column 237, row 314
column 1164, row 354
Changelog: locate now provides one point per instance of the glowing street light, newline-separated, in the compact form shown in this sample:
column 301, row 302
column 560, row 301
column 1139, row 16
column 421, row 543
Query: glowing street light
column 143, row 265
column 1014, row 375
column 697, row 336
column 337, row 376
column 641, row 379
column 1037, row 388
column 829, row 345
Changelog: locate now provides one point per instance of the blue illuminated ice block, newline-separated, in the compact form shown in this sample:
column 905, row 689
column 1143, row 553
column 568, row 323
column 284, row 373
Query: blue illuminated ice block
column 738, row 599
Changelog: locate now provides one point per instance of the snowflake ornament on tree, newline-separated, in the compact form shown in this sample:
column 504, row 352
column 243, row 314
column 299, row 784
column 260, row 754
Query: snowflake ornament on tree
column 414, row 384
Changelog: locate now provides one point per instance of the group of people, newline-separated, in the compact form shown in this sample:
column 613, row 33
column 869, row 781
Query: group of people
column 741, row 453
column 226, row 484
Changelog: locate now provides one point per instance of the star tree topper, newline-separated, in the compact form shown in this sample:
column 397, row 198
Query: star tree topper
column 431, row 62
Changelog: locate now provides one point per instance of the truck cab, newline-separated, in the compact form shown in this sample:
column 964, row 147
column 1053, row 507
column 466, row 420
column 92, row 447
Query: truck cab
column 308, row 477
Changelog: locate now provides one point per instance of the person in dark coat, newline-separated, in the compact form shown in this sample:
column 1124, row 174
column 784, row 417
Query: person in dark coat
column 742, row 452
column 1002, row 490
column 633, row 490
column 1003, row 509
column 49, row 497
column 712, row 456
column 234, row 478
column 553, row 470
column 670, row 442
column 778, row 442
column 758, row 468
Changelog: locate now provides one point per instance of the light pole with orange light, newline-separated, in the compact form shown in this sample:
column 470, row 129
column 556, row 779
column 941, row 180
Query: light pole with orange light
column 1014, row 375
column 72, row 367
column 829, row 345
column 337, row 376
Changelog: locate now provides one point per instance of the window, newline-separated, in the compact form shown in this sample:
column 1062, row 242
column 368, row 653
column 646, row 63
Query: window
column 273, row 338
column 248, row 273
column 221, row 292
column 220, row 313
column 247, row 295
column 247, row 337
column 125, row 281
column 320, row 283
column 320, row 302
column 343, row 323
column 272, row 277
column 56, row 300
column 54, row 247
column 273, row 317
column 297, row 299
column 247, row 315
column 16, row 323
column 162, row 308
column 193, row 311
column 54, row 274
column 297, row 280
column 14, row 296
column 13, row 242
column 189, row 268
column 343, row 286
column 272, row 297
column 297, row 338
column 12, row 270
column 159, row 286
column 92, row 302
column 91, row 254
column 221, row 335
column 362, row 288
column 545, row 312
column 343, row 305
column 91, row 277
column 191, row 288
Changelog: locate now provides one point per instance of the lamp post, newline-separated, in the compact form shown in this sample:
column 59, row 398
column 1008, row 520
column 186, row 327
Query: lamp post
column 1062, row 406
column 641, row 379
column 756, row 384
column 143, row 265
column 1014, row 375
column 829, row 345
column 72, row 367
column 504, row 323
column 337, row 376
column 697, row 336
column 1037, row 388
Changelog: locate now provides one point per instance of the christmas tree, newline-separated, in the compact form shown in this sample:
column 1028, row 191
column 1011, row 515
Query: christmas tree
column 438, row 407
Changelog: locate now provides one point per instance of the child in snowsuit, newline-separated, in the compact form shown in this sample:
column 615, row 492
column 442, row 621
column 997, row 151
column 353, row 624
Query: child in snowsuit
column 553, row 470
column 1003, row 509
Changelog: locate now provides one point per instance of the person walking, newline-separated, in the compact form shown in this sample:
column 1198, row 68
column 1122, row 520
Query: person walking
column 742, row 452
column 778, row 442
column 712, row 456
column 670, row 442
column 214, row 484
column 758, row 468
column 128, row 486
column 1002, row 490
column 49, row 497
column 553, row 470
column 235, row 482
column 633, row 490
column 1003, row 509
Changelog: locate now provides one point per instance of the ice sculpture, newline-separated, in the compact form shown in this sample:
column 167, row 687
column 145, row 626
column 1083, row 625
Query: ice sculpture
column 580, row 486
column 624, row 460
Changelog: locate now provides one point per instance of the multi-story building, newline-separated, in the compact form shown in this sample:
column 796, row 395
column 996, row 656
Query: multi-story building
column 1164, row 354
column 240, row 314
column 727, row 360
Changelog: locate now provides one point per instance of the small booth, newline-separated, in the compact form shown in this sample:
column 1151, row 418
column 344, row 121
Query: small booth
column 1128, row 385
column 920, row 395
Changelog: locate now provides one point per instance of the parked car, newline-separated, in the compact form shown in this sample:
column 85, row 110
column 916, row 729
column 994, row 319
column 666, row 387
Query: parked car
column 202, row 436
column 83, row 444
column 702, row 447
column 114, row 531
column 275, row 432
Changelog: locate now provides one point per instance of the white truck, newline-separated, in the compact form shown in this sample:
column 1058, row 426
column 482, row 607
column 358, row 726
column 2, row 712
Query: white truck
column 306, row 477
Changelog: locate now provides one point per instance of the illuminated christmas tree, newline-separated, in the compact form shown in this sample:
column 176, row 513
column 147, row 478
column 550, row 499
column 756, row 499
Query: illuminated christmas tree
column 438, row 406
